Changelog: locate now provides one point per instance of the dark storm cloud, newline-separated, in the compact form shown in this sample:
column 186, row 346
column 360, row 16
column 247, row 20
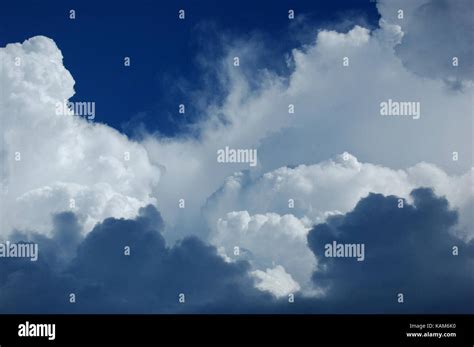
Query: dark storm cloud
column 408, row 250
column 104, row 279
column 40, row 286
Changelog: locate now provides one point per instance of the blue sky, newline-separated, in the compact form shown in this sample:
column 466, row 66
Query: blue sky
column 163, row 50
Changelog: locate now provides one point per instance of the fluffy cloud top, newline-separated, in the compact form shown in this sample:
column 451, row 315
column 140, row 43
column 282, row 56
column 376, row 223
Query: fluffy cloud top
column 67, row 157
column 61, row 156
column 337, row 109
column 274, row 245
column 334, row 186
column 270, row 216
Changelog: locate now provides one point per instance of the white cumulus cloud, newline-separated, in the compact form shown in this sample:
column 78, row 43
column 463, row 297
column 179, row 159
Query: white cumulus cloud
column 276, row 281
column 50, row 158
column 337, row 109
column 269, row 216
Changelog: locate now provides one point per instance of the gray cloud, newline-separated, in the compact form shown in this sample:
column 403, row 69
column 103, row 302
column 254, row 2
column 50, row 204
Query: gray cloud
column 103, row 279
column 407, row 250
column 435, row 32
